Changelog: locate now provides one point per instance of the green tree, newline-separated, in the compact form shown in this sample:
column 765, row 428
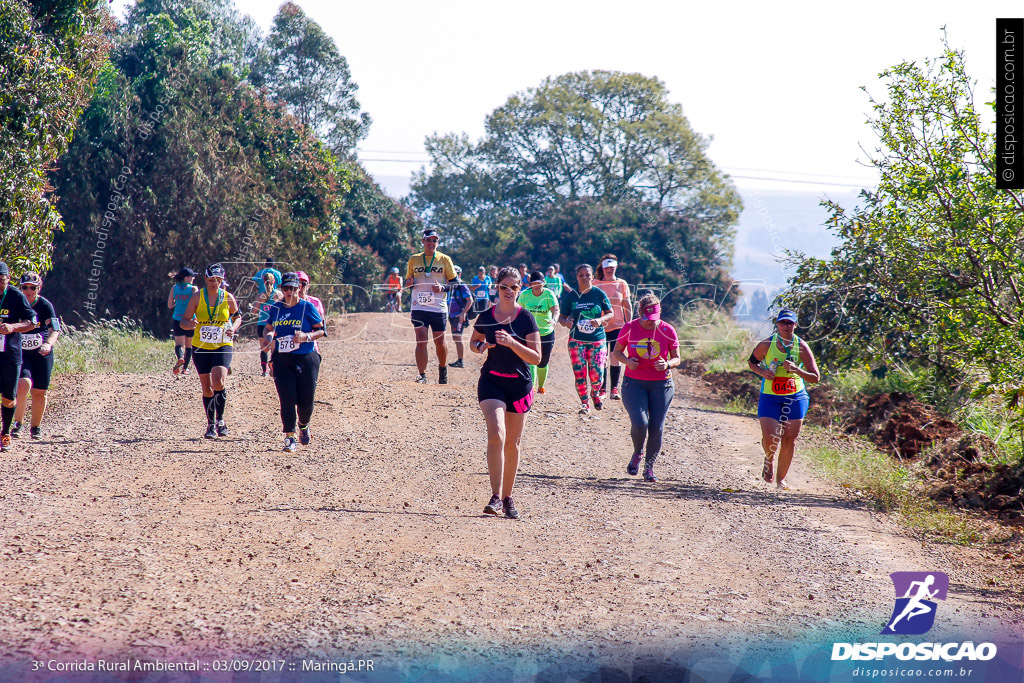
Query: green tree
column 50, row 56
column 605, row 136
column 303, row 67
column 931, row 263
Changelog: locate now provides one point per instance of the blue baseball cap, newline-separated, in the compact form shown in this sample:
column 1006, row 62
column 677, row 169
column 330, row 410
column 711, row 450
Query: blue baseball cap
column 786, row 315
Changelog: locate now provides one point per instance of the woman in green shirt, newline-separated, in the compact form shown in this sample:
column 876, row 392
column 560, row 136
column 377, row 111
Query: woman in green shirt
column 541, row 302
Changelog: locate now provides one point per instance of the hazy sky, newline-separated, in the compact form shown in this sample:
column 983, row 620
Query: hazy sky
column 777, row 86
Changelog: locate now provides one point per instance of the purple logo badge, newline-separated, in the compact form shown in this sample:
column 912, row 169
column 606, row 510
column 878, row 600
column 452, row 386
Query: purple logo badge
column 916, row 593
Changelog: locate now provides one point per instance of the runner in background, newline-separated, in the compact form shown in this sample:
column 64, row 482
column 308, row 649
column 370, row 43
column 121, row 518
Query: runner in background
column 558, row 274
column 393, row 282
column 268, row 267
column 585, row 314
column 509, row 336
column 460, row 302
column 213, row 314
column 553, row 282
column 524, row 276
column 618, row 294
column 293, row 325
column 492, row 273
column 649, row 348
column 36, row 356
column 784, row 362
column 481, row 286
column 269, row 293
column 16, row 316
column 541, row 302
column 177, row 299
column 427, row 275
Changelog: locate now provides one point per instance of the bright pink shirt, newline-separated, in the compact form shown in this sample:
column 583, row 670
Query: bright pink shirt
column 648, row 345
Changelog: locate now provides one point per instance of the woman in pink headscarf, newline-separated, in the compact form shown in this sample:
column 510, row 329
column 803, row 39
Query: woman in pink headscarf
column 649, row 348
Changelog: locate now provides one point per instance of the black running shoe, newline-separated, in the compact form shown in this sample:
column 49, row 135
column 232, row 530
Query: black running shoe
column 634, row 465
column 457, row 364
column 16, row 430
column 493, row 507
column 422, row 379
column 290, row 444
column 442, row 375
column 222, row 429
column 304, row 435
column 211, row 431
column 510, row 508
column 649, row 473
column 35, row 432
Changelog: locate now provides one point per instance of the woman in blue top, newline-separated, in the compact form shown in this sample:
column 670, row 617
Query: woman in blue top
column 292, row 326
column 177, row 300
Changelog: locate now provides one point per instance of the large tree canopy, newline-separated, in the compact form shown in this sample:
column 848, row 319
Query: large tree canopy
column 930, row 270
column 50, row 55
column 597, row 137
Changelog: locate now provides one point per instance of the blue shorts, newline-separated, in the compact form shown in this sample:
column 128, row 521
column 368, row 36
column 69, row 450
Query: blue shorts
column 792, row 407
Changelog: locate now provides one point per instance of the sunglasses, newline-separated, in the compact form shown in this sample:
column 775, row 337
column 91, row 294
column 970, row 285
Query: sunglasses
column 30, row 287
column 510, row 288
column 289, row 288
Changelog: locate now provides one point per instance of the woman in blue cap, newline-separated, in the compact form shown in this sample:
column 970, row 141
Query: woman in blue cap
column 784, row 362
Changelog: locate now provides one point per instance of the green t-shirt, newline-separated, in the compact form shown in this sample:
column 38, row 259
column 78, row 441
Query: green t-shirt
column 555, row 285
column 581, row 308
column 540, row 307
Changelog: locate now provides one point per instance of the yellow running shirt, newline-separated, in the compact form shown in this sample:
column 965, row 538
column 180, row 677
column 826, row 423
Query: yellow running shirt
column 211, row 322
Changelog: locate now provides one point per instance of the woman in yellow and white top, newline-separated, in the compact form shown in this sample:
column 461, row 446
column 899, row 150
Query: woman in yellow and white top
column 213, row 313
column 784, row 362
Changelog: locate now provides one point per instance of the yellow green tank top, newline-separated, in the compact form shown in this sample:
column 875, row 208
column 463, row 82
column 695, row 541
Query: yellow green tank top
column 785, row 383
column 211, row 321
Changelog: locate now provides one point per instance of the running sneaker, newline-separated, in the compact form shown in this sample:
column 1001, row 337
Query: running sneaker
column 290, row 444
column 649, row 473
column 442, row 375
column 493, row 507
column 35, row 432
column 422, row 379
column 222, row 429
column 615, row 394
column 16, row 430
column 598, row 403
column 178, row 366
column 211, row 431
column 542, row 390
column 304, row 435
column 510, row 508
column 634, row 464
column 264, row 373
column 457, row 364
column 585, row 409
column 5, row 442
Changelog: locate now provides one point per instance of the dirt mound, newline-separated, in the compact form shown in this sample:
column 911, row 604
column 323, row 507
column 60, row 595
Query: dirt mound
column 734, row 385
column 901, row 424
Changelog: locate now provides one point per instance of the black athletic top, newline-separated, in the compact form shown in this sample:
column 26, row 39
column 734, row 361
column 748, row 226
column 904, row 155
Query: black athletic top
column 14, row 309
column 46, row 321
column 501, row 360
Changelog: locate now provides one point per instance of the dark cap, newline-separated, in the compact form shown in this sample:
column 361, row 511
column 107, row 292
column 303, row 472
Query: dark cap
column 186, row 272
column 430, row 232
column 785, row 315
column 290, row 280
column 4, row 270
column 215, row 270
column 30, row 277
column 536, row 276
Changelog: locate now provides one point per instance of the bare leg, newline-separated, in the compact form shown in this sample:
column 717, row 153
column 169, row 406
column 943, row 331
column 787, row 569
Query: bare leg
column 24, row 384
column 514, row 423
column 38, row 406
column 788, row 446
column 771, row 436
column 421, row 349
column 494, row 416
column 442, row 350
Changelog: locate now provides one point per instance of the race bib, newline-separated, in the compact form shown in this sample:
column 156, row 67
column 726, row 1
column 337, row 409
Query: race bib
column 425, row 298
column 30, row 342
column 286, row 344
column 784, row 385
column 585, row 326
column 211, row 334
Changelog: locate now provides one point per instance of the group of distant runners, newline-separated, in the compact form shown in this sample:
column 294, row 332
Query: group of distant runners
column 515, row 311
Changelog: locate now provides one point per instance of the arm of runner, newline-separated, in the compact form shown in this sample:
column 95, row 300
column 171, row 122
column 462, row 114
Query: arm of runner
column 757, row 357
column 811, row 373
column 529, row 352
column 619, row 354
column 170, row 298
column 673, row 360
column 478, row 342
column 188, row 317
column 236, row 317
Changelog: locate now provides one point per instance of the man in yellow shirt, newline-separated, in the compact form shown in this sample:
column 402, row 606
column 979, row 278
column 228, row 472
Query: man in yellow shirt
column 427, row 276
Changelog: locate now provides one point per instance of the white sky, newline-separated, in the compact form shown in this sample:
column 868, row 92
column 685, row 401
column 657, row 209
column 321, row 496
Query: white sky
column 776, row 85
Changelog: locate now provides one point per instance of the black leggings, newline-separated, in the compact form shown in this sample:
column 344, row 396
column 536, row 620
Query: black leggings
column 647, row 403
column 547, row 343
column 295, row 377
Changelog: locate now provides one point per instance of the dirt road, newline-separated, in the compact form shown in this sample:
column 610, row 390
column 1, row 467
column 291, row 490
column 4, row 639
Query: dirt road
column 124, row 531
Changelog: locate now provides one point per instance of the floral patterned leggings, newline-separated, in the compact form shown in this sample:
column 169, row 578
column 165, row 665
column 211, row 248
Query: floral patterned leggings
column 588, row 355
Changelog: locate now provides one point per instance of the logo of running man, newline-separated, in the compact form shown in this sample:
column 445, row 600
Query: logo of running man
column 914, row 612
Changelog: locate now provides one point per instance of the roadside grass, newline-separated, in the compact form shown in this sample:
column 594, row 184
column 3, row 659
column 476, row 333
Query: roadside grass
column 893, row 487
column 111, row 346
column 715, row 340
